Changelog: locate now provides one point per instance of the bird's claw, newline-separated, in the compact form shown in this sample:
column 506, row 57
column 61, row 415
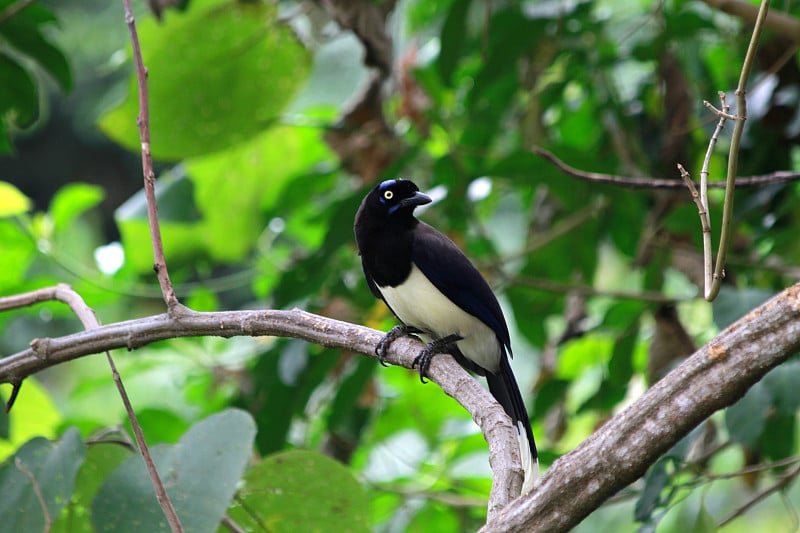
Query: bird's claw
column 424, row 361
column 426, row 356
column 392, row 335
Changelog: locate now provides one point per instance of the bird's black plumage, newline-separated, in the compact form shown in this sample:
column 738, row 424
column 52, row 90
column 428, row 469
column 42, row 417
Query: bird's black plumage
column 434, row 290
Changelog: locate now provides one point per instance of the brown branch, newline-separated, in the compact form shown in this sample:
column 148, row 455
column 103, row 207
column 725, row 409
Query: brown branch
column 143, row 121
column 781, row 23
column 619, row 453
column 454, row 380
column 613, row 457
column 782, row 176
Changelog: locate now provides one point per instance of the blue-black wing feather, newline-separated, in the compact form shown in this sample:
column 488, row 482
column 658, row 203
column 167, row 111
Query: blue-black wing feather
column 446, row 266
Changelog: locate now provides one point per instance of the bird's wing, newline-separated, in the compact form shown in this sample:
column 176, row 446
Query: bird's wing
column 446, row 266
column 371, row 282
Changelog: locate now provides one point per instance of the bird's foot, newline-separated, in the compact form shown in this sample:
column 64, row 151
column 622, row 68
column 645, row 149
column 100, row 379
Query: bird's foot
column 426, row 356
column 391, row 336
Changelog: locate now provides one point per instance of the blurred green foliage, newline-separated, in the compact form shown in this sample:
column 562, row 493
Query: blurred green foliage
column 256, row 209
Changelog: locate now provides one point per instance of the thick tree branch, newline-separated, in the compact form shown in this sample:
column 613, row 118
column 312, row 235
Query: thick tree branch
column 613, row 457
column 619, row 452
column 182, row 322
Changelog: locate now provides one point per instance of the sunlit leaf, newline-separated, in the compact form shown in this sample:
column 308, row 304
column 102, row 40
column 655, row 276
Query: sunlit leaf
column 12, row 201
column 213, row 91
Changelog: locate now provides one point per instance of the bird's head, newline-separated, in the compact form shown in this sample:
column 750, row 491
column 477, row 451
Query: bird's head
column 394, row 197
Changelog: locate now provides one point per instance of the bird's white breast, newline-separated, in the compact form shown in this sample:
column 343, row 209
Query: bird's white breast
column 417, row 302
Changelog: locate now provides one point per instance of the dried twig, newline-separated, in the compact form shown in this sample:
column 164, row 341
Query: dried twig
column 143, row 121
column 733, row 153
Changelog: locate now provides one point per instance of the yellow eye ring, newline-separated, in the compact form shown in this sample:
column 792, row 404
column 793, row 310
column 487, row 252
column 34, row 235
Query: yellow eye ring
column 388, row 195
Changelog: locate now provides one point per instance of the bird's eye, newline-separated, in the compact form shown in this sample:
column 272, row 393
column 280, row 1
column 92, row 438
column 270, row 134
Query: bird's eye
column 388, row 195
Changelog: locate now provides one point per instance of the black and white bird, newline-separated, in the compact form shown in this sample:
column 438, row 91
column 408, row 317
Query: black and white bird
column 436, row 292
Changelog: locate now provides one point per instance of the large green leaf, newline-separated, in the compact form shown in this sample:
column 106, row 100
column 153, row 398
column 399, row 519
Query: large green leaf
column 219, row 73
column 52, row 467
column 245, row 181
column 200, row 472
column 300, row 491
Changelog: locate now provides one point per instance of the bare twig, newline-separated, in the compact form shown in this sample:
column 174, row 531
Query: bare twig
column 733, row 154
column 64, row 293
column 783, row 481
column 705, row 223
column 588, row 290
column 143, row 121
column 656, row 183
column 48, row 520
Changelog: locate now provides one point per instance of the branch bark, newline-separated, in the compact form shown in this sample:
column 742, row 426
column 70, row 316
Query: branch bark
column 620, row 451
column 183, row 322
column 577, row 483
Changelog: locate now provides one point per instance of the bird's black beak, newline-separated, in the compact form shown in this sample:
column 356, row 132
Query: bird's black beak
column 417, row 199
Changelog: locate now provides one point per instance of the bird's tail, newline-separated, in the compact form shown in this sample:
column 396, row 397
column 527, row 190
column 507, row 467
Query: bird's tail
column 504, row 388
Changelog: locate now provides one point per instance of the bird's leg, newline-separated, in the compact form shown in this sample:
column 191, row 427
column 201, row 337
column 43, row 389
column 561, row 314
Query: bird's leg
column 401, row 330
column 432, row 348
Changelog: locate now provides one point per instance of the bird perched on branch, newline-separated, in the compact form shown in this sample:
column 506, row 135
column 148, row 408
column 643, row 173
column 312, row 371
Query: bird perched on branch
column 436, row 292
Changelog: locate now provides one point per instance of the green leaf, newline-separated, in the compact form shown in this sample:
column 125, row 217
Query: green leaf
column 12, row 201
column 19, row 98
column 200, row 472
column 655, row 481
column 452, row 40
column 732, row 304
column 746, row 418
column 705, row 523
column 784, row 385
column 247, row 180
column 53, row 467
column 72, row 200
column 101, row 459
column 26, row 37
column 282, row 382
column 211, row 92
column 301, row 491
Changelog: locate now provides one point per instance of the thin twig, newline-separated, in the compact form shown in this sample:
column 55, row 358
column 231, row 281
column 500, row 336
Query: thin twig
column 143, row 121
column 781, row 176
column 64, row 293
column 705, row 223
column 708, row 264
column 733, row 154
column 587, row 290
column 37, row 490
column 785, row 479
